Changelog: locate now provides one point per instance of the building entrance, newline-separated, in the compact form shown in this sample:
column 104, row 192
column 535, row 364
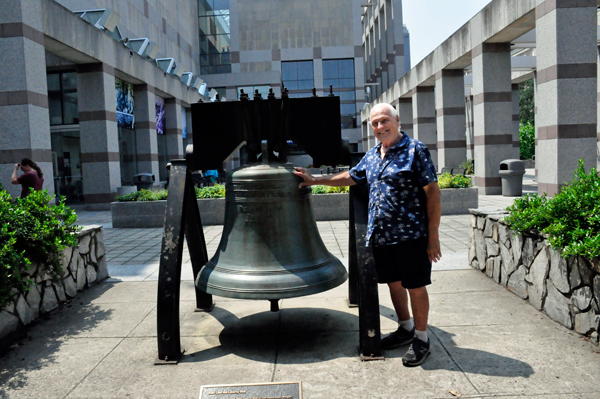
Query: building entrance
column 66, row 164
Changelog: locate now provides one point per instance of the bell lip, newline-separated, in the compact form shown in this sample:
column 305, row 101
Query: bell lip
column 279, row 294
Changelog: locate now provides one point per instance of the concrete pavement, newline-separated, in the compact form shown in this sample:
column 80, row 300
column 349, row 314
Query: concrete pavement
column 486, row 342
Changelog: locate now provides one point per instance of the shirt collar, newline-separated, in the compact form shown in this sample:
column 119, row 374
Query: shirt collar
column 401, row 143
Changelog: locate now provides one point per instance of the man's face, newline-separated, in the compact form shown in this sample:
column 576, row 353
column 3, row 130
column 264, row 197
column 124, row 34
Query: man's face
column 385, row 126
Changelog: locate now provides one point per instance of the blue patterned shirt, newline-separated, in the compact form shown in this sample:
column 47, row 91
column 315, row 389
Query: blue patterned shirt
column 397, row 201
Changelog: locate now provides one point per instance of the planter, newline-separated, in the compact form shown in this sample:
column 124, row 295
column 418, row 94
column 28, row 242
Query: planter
column 567, row 290
column 82, row 266
column 458, row 201
column 146, row 214
column 149, row 214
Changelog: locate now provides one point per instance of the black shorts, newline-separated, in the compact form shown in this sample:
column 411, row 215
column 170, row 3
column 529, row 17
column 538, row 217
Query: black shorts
column 407, row 262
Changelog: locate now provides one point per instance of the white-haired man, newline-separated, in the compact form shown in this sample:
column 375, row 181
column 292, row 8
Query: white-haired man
column 404, row 217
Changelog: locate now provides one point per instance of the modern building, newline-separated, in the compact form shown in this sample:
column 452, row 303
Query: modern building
column 98, row 91
column 508, row 41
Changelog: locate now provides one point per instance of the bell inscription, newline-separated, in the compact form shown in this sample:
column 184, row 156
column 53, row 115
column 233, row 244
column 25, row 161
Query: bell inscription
column 276, row 390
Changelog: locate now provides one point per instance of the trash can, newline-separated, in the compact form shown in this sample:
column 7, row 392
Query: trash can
column 511, row 172
column 144, row 180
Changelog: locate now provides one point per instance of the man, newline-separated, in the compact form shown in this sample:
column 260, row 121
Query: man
column 404, row 218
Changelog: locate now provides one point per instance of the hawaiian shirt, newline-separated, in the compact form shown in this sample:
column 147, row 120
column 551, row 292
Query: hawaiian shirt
column 397, row 201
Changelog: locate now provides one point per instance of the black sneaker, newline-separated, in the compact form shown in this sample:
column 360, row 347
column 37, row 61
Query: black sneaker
column 417, row 353
column 398, row 338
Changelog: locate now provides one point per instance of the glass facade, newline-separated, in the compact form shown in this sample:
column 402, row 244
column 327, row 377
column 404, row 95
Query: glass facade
column 127, row 156
column 249, row 90
column 340, row 75
column 298, row 77
column 215, row 36
column 62, row 98
column 66, row 164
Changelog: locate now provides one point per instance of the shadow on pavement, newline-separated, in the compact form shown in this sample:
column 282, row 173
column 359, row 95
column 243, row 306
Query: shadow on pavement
column 44, row 337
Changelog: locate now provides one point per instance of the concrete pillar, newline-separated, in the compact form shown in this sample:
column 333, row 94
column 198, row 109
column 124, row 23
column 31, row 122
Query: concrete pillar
column 99, row 135
column 173, row 129
column 492, row 114
column 24, row 116
column 450, row 103
column 145, row 130
column 424, row 120
column 566, row 90
column 363, row 145
column 405, row 112
column 470, row 133
column 516, row 118
column 190, row 128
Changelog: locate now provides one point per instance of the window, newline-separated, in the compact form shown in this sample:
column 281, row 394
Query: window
column 249, row 90
column 298, row 78
column 62, row 98
column 340, row 75
column 215, row 36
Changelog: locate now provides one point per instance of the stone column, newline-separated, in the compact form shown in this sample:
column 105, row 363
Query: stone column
column 405, row 112
column 145, row 130
column 24, row 116
column 450, row 103
column 516, row 118
column 190, row 128
column 470, row 127
column 99, row 134
column 173, row 126
column 566, row 90
column 424, row 121
column 492, row 113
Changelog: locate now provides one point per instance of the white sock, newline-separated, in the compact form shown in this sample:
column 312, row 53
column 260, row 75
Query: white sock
column 422, row 335
column 408, row 325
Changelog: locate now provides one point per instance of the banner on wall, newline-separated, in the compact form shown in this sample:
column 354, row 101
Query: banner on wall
column 160, row 116
column 125, row 106
column 183, row 124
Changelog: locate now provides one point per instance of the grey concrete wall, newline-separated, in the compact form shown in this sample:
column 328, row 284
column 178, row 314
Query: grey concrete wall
column 451, row 122
column 173, row 129
column 173, row 25
column 516, row 154
column 424, row 120
column 145, row 130
column 566, row 91
column 492, row 114
column 23, row 92
column 405, row 112
column 98, row 133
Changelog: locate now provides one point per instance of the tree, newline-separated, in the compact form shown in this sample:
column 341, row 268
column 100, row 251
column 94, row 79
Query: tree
column 527, row 102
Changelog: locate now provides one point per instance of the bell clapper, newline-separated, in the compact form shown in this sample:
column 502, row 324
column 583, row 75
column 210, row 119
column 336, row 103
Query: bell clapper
column 274, row 305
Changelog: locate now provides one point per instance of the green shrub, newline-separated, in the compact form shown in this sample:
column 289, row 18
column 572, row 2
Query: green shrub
column 152, row 195
column 216, row 191
column 571, row 218
column 31, row 230
column 527, row 140
column 446, row 180
column 468, row 166
column 128, row 197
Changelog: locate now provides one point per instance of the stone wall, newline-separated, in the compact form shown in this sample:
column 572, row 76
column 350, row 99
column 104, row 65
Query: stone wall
column 82, row 266
column 566, row 289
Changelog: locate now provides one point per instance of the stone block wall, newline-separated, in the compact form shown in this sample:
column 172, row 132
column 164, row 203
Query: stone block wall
column 566, row 289
column 82, row 266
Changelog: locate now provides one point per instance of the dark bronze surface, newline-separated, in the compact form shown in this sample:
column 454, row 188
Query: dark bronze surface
column 270, row 247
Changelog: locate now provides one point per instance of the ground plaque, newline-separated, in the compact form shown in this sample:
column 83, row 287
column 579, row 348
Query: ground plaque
column 271, row 390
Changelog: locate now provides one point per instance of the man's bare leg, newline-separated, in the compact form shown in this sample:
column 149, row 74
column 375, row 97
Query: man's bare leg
column 419, row 303
column 400, row 300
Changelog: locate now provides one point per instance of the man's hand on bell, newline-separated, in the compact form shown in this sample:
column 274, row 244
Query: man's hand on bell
column 309, row 179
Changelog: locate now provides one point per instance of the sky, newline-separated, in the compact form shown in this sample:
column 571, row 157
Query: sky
column 430, row 22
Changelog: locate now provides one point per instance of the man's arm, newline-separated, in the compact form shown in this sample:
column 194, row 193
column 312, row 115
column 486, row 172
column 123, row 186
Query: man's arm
column 434, row 214
column 339, row 179
column 13, row 178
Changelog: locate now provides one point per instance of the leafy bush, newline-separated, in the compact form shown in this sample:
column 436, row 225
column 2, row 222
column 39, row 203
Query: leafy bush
column 571, row 218
column 319, row 189
column 527, row 140
column 152, row 195
column 31, row 230
column 128, row 197
column 468, row 166
column 216, row 191
column 446, row 180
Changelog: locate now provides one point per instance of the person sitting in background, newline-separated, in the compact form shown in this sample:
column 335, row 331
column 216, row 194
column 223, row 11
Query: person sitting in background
column 32, row 176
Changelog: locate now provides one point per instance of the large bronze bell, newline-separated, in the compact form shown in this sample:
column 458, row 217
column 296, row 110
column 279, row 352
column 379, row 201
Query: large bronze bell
column 270, row 247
